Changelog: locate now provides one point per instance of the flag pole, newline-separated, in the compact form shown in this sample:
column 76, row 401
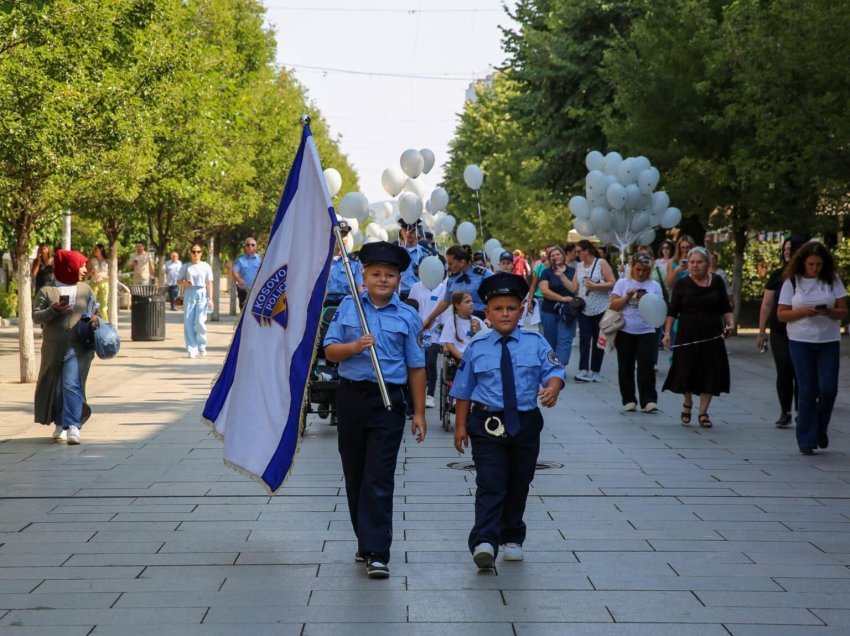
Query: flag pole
column 376, row 365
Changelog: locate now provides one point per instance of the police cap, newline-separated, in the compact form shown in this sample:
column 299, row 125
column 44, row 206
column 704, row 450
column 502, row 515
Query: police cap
column 409, row 227
column 344, row 227
column 503, row 284
column 385, row 254
column 506, row 256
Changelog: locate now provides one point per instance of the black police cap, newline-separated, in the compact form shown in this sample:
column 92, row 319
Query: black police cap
column 503, row 284
column 344, row 227
column 385, row 254
column 409, row 226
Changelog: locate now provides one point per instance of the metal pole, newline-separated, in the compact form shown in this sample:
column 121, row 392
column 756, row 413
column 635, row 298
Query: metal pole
column 66, row 229
column 373, row 355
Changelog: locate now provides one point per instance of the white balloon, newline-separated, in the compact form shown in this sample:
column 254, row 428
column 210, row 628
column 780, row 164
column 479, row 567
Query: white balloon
column 358, row 239
column 431, row 272
column 596, row 181
column 447, row 223
column 605, row 238
column 430, row 222
column 494, row 254
column 625, row 172
column 612, row 162
column 354, row 205
column 640, row 221
column 579, row 207
column 374, row 230
column 410, row 207
column 416, row 186
column 640, row 164
column 392, row 180
column 648, row 179
column 412, row 162
column 671, row 218
column 473, row 177
column 597, row 198
column 660, row 201
column 632, row 196
column 594, row 160
column 653, row 309
column 619, row 221
column 583, row 227
column 647, row 237
column 655, row 218
column 387, row 210
column 354, row 224
column 465, row 233
column 492, row 244
column 600, row 219
column 616, row 196
column 439, row 199
column 334, row 180
column 428, row 159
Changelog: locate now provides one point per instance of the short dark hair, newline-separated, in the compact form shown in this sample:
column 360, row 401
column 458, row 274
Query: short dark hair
column 460, row 253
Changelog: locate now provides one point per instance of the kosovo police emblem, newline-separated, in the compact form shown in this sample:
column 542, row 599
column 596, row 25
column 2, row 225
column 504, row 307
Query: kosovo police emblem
column 270, row 302
column 553, row 358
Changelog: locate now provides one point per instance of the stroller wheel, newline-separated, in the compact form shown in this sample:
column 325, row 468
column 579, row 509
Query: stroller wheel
column 323, row 411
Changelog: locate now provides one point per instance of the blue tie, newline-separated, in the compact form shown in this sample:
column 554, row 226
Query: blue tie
column 509, row 390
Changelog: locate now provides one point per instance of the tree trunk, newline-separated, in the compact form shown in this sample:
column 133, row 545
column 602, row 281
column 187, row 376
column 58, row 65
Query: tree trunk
column 215, row 263
column 231, row 282
column 25, row 325
column 740, row 236
column 114, row 292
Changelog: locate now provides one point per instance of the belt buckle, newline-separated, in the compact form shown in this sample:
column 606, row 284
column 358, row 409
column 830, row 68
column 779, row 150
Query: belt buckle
column 498, row 429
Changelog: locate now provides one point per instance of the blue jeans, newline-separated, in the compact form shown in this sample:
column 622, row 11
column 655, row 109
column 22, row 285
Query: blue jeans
column 68, row 404
column 816, row 368
column 558, row 334
column 195, row 319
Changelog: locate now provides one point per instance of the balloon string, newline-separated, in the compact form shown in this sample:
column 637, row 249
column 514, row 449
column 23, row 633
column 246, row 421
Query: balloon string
column 688, row 344
column 480, row 226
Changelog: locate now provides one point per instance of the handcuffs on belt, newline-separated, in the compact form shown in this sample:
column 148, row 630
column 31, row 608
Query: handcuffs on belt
column 498, row 429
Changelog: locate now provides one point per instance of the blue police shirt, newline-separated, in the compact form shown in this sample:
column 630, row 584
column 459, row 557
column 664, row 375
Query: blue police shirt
column 469, row 281
column 398, row 339
column 479, row 374
column 248, row 266
column 338, row 280
column 409, row 276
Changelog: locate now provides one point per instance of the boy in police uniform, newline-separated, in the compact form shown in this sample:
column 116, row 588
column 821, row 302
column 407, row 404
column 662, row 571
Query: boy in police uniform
column 498, row 383
column 369, row 434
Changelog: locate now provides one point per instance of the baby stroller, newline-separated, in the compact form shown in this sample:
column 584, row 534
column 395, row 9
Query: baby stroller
column 447, row 376
column 324, row 379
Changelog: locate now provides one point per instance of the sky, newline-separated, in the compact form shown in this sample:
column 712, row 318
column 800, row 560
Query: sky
column 408, row 64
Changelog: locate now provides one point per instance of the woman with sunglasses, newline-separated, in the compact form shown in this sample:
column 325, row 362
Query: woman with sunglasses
column 196, row 280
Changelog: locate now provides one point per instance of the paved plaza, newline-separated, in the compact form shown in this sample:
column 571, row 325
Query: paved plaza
column 640, row 525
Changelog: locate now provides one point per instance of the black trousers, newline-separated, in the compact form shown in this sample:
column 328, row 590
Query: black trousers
column 369, row 437
column 173, row 292
column 641, row 351
column 242, row 295
column 504, row 470
column 786, row 381
column 432, row 354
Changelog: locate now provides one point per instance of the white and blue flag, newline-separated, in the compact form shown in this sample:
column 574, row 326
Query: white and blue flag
column 257, row 401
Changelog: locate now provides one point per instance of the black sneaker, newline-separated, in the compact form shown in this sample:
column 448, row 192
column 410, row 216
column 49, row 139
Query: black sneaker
column 359, row 557
column 784, row 420
column 805, row 450
column 823, row 441
column 377, row 569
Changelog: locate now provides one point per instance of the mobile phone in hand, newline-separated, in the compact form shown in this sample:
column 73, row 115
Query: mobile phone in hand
column 820, row 307
column 64, row 298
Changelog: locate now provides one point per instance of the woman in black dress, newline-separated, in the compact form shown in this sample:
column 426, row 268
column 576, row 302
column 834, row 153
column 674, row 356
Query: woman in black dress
column 700, row 364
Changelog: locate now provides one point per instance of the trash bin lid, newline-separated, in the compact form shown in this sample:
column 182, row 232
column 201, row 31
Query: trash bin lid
column 147, row 290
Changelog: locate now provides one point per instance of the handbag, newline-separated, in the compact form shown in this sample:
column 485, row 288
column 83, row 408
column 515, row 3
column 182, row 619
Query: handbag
column 107, row 342
column 570, row 311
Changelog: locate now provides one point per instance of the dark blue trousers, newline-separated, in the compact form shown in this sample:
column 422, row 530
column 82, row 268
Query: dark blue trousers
column 369, row 437
column 504, row 470
column 816, row 368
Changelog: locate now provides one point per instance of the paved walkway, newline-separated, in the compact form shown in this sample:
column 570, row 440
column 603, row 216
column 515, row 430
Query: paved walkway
column 645, row 527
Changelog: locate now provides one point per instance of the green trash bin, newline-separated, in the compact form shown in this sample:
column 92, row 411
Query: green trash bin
column 147, row 312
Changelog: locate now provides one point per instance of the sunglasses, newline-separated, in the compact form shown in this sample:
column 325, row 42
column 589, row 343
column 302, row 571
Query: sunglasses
column 250, row 245
column 195, row 251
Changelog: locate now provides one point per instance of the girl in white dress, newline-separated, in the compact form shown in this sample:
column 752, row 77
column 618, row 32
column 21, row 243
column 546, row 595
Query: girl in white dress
column 461, row 326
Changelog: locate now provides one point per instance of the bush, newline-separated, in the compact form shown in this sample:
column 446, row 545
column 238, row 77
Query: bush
column 760, row 259
column 9, row 301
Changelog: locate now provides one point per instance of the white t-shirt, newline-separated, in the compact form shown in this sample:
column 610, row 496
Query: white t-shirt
column 634, row 324
column 427, row 300
column 464, row 330
column 809, row 293
column 199, row 274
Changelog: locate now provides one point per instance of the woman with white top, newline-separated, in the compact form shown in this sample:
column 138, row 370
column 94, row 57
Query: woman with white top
column 461, row 326
column 196, row 280
column 813, row 302
column 636, row 342
column 596, row 279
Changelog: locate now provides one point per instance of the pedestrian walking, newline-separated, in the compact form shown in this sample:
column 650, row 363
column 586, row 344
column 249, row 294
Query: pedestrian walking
column 636, row 342
column 700, row 363
column 60, row 393
column 463, row 276
column 370, row 435
column 245, row 269
column 677, row 266
column 777, row 341
column 596, row 279
column 812, row 303
column 520, row 265
column 427, row 299
column 196, row 280
column 558, row 285
column 142, row 265
column 496, row 411
column 409, row 240
column 42, row 268
column 173, row 269
column 98, row 274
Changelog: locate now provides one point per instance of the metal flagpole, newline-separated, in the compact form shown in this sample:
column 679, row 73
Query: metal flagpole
column 376, row 366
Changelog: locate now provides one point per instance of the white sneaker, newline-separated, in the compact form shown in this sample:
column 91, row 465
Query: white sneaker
column 430, row 402
column 192, row 354
column 595, row 377
column 631, row 406
column 583, row 376
column 512, row 552
column 651, row 407
column 59, row 432
column 483, row 555
column 203, row 353
column 73, row 435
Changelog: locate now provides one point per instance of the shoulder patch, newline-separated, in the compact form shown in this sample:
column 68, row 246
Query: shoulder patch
column 420, row 339
column 553, row 358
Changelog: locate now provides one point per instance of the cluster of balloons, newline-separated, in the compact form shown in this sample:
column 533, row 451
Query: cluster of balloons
column 621, row 207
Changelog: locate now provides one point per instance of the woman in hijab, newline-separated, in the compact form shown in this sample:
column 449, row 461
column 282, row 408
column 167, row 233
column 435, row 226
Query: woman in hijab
column 60, row 395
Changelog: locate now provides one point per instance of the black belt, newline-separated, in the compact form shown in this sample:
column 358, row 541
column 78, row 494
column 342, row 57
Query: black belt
column 492, row 410
column 366, row 385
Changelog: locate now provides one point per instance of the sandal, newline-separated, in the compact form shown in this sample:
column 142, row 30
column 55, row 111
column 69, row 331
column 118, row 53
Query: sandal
column 686, row 413
column 704, row 420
